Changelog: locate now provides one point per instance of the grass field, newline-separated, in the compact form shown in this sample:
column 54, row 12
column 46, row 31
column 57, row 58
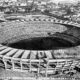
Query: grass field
column 30, row 29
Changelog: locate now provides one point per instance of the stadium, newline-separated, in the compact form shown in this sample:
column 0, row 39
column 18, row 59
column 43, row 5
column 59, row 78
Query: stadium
column 38, row 43
column 44, row 47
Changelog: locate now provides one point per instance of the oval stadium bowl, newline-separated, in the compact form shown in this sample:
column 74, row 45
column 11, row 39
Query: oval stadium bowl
column 43, row 46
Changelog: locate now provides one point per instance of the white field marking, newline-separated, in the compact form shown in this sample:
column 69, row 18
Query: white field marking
column 48, row 54
column 33, row 54
column 11, row 52
column 25, row 54
column 6, row 50
column 17, row 53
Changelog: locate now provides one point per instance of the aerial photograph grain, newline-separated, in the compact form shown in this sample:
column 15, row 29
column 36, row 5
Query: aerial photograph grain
column 39, row 39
